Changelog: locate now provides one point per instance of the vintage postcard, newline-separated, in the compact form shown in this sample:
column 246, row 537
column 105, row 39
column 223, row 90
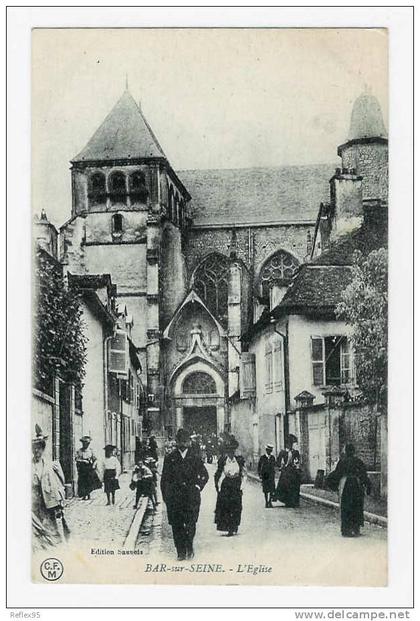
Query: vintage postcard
column 209, row 402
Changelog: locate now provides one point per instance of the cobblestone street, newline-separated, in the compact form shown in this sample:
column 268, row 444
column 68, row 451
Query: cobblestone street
column 101, row 525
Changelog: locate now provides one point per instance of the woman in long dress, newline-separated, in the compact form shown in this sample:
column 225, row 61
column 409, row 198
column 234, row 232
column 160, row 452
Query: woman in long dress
column 350, row 480
column 229, row 493
column 288, row 487
column 49, row 527
column 86, row 464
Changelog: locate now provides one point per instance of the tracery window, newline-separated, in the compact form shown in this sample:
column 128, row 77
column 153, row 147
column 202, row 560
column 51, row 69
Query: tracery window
column 211, row 283
column 199, row 383
column 281, row 267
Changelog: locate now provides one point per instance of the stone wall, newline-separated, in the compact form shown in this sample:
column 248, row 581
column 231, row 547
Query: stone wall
column 42, row 415
column 242, row 413
column 359, row 425
column 254, row 244
column 172, row 272
column 324, row 430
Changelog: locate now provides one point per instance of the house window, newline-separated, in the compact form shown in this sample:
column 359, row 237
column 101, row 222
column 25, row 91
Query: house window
column 280, row 267
column 117, row 223
column 268, row 367
column 331, row 360
column 211, row 284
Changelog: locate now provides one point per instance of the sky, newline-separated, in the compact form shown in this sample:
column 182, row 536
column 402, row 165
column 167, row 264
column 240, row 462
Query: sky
column 215, row 98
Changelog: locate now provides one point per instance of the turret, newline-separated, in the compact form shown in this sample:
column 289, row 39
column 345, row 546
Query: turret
column 46, row 234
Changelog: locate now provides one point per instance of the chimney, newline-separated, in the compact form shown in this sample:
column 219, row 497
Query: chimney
column 346, row 201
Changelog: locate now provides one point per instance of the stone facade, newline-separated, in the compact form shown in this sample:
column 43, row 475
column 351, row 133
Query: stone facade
column 369, row 157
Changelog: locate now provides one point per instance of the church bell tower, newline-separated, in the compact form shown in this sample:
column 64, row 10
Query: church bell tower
column 124, row 194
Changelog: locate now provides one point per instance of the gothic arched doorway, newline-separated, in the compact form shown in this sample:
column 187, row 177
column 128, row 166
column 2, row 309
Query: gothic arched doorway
column 199, row 399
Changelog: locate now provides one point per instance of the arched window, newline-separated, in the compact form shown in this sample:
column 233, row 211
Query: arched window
column 117, row 187
column 138, row 190
column 211, row 283
column 117, row 223
column 280, row 267
column 199, row 383
column 97, row 189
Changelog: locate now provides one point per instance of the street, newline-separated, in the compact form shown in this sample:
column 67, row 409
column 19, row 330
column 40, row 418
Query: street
column 304, row 545
column 276, row 546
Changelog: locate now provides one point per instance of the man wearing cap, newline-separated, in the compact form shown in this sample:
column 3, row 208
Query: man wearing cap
column 266, row 472
column 183, row 478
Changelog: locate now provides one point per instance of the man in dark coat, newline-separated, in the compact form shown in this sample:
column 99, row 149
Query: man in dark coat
column 350, row 480
column 266, row 472
column 183, row 478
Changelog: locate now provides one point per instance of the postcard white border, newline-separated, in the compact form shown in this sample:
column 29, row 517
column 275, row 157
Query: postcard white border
column 21, row 592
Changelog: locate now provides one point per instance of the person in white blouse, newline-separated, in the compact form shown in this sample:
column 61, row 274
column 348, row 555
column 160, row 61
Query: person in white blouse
column 112, row 470
column 228, row 481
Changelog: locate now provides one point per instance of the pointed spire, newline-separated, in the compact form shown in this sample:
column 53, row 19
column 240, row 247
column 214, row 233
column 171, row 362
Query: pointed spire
column 126, row 81
column 124, row 134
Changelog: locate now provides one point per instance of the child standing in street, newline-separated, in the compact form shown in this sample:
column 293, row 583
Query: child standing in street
column 142, row 482
column 112, row 470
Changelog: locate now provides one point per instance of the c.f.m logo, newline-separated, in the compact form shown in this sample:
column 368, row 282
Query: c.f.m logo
column 52, row 569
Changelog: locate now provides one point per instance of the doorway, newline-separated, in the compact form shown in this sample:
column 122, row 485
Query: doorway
column 200, row 419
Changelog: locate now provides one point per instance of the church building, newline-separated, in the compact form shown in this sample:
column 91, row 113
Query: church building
column 199, row 257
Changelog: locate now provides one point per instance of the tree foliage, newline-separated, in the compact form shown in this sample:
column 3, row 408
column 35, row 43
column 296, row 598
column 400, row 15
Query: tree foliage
column 364, row 306
column 59, row 339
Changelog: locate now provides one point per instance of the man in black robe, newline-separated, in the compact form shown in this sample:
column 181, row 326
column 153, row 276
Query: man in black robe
column 266, row 472
column 350, row 480
column 183, row 478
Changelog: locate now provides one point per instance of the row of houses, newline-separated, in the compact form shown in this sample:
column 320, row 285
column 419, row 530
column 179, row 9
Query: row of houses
column 108, row 402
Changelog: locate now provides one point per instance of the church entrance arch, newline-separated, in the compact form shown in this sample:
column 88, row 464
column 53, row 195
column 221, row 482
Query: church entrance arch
column 199, row 399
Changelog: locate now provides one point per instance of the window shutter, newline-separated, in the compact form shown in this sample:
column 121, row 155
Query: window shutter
column 247, row 375
column 278, row 364
column 345, row 362
column 118, row 353
column 318, row 360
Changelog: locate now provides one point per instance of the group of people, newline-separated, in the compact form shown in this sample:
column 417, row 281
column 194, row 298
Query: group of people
column 288, row 486
column 49, row 525
column 184, row 476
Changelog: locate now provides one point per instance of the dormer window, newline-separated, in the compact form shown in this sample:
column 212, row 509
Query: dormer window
column 138, row 190
column 117, row 187
column 117, row 224
column 97, row 188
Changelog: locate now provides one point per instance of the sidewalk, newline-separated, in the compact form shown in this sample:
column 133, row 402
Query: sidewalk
column 329, row 499
column 100, row 525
